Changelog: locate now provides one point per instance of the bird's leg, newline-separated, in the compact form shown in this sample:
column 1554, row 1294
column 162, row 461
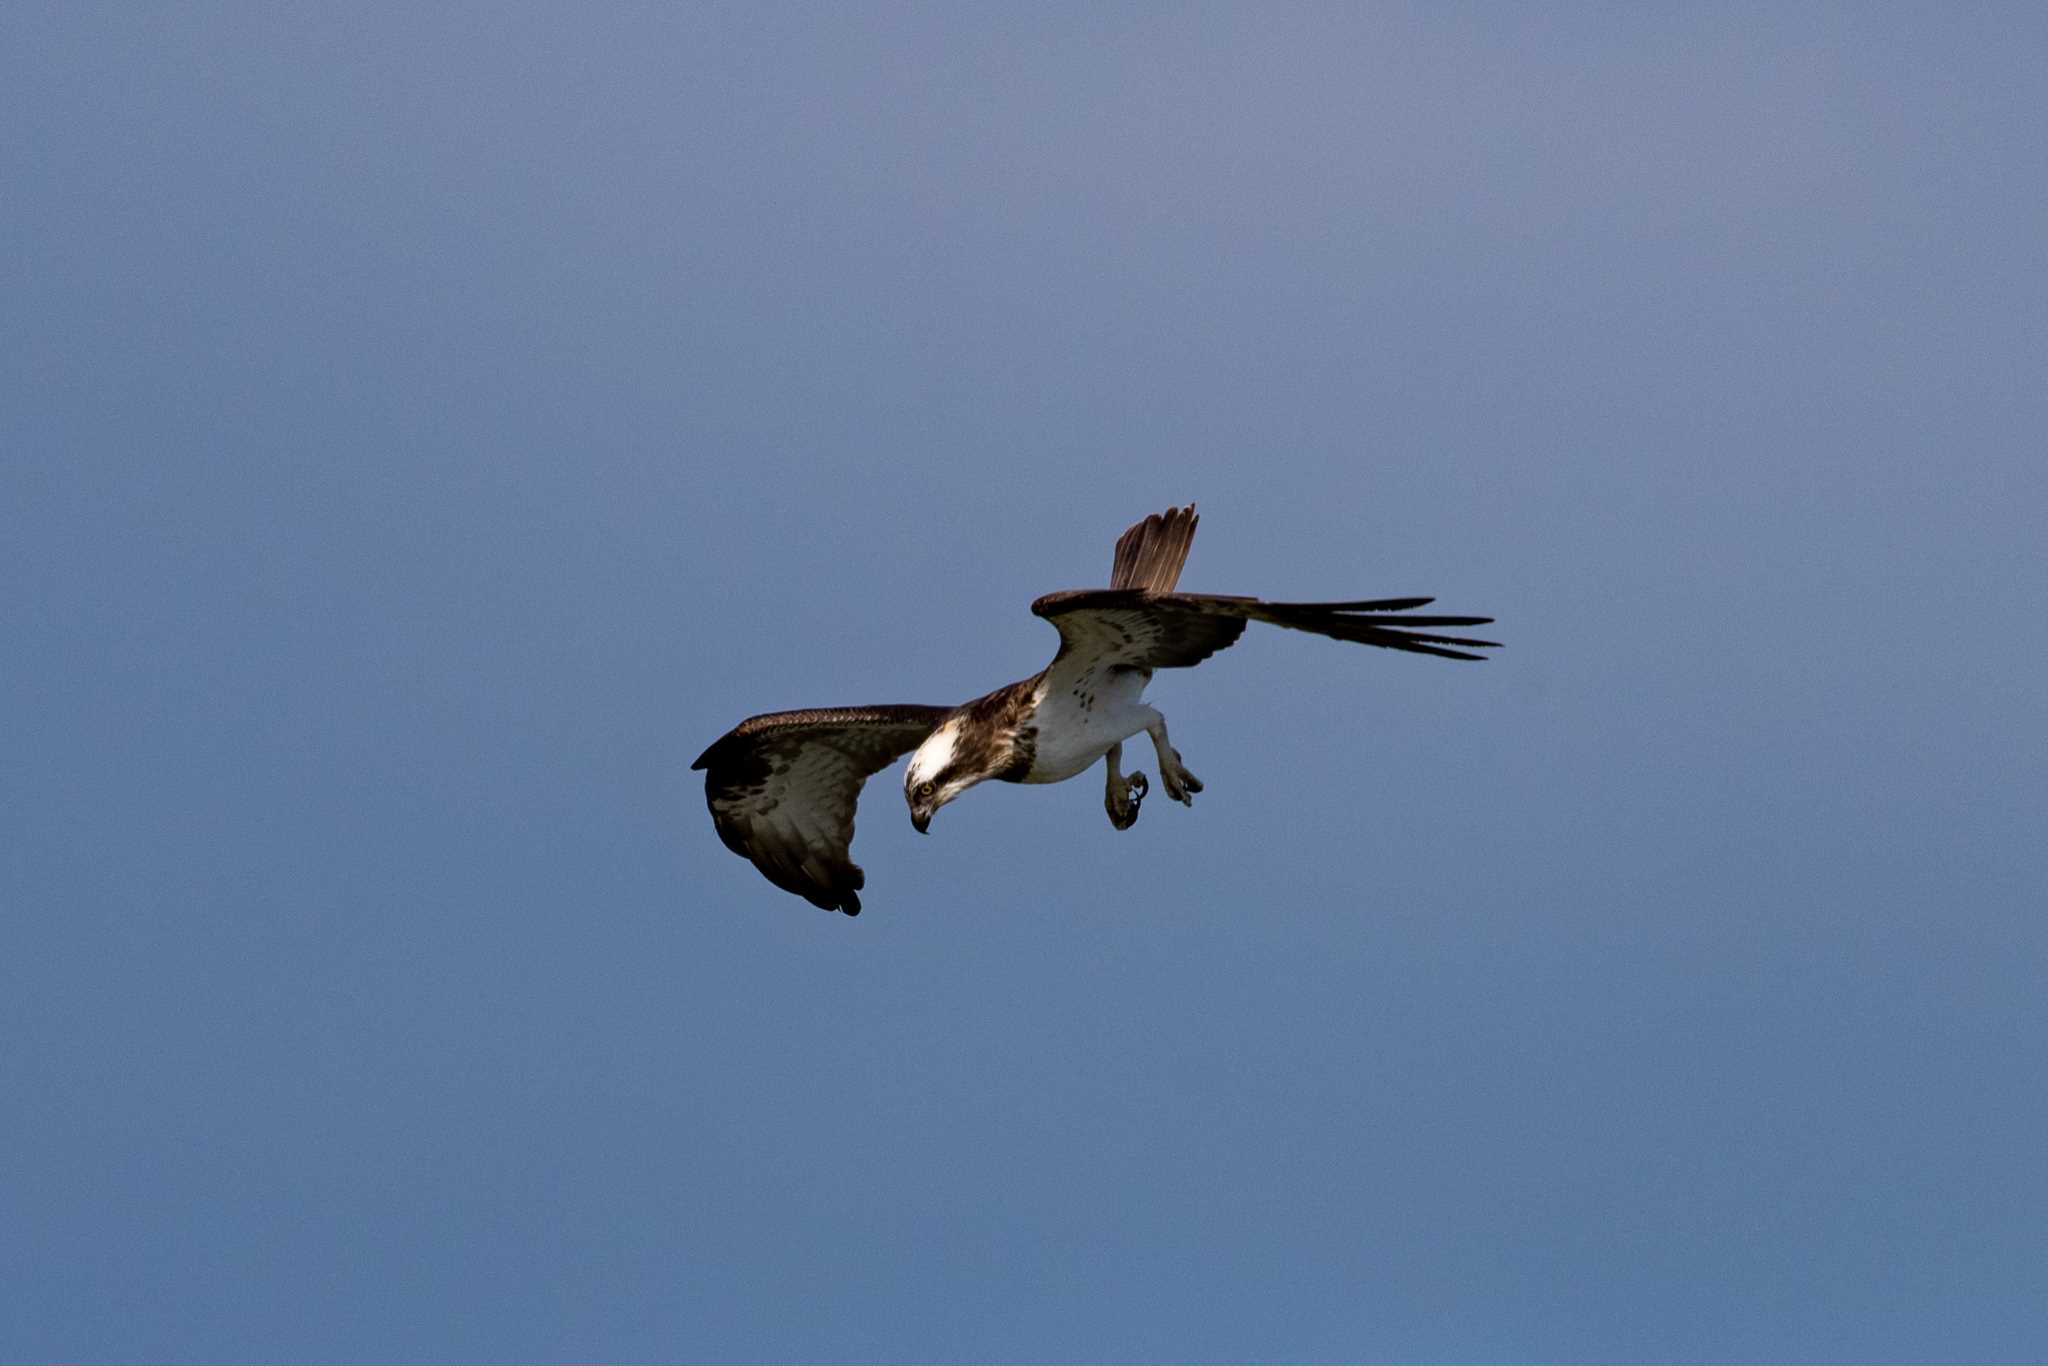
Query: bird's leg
column 1181, row 785
column 1123, row 794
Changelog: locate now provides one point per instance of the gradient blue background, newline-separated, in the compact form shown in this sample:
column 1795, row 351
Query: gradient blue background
column 426, row 427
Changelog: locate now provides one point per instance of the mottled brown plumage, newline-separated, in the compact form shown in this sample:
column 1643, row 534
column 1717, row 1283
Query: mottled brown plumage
column 996, row 734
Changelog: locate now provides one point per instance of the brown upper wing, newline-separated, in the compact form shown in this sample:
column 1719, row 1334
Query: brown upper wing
column 782, row 789
column 1131, row 628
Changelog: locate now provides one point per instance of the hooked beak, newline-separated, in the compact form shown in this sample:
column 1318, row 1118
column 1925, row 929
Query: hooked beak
column 921, row 820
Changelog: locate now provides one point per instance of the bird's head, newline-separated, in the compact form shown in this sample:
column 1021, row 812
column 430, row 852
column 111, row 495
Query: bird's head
column 939, row 771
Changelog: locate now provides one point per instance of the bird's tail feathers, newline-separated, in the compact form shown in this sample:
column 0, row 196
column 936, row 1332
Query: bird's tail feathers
column 1150, row 555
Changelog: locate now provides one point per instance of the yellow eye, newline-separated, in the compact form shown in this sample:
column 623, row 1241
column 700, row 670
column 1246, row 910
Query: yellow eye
column 925, row 790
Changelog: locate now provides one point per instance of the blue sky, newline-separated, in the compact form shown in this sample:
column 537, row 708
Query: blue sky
column 424, row 431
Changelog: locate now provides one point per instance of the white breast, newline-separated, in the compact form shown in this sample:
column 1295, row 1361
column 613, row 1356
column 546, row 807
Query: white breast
column 1077, row 724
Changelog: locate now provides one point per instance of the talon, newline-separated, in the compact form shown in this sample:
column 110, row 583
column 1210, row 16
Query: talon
column 1123, row 806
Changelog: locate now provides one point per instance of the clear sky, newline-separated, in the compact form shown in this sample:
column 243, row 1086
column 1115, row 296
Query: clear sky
column 425, row 427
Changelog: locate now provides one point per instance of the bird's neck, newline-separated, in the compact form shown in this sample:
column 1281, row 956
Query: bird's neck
column 999, row 727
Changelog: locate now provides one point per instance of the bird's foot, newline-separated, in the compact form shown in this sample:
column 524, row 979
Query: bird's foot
column 1181, row 785
column 1122, row 799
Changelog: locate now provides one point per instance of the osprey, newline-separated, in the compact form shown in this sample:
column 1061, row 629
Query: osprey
column 782, row 786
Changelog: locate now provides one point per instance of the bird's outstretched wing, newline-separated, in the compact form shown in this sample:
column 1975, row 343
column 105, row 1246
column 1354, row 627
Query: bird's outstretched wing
column 1103, row 628
column 1139, row 622
column 782, row 789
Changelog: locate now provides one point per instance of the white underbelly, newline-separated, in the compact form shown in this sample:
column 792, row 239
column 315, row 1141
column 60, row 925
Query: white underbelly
column 1074, row 731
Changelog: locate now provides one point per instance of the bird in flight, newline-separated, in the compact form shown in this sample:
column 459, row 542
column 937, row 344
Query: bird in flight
column 782, row 786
